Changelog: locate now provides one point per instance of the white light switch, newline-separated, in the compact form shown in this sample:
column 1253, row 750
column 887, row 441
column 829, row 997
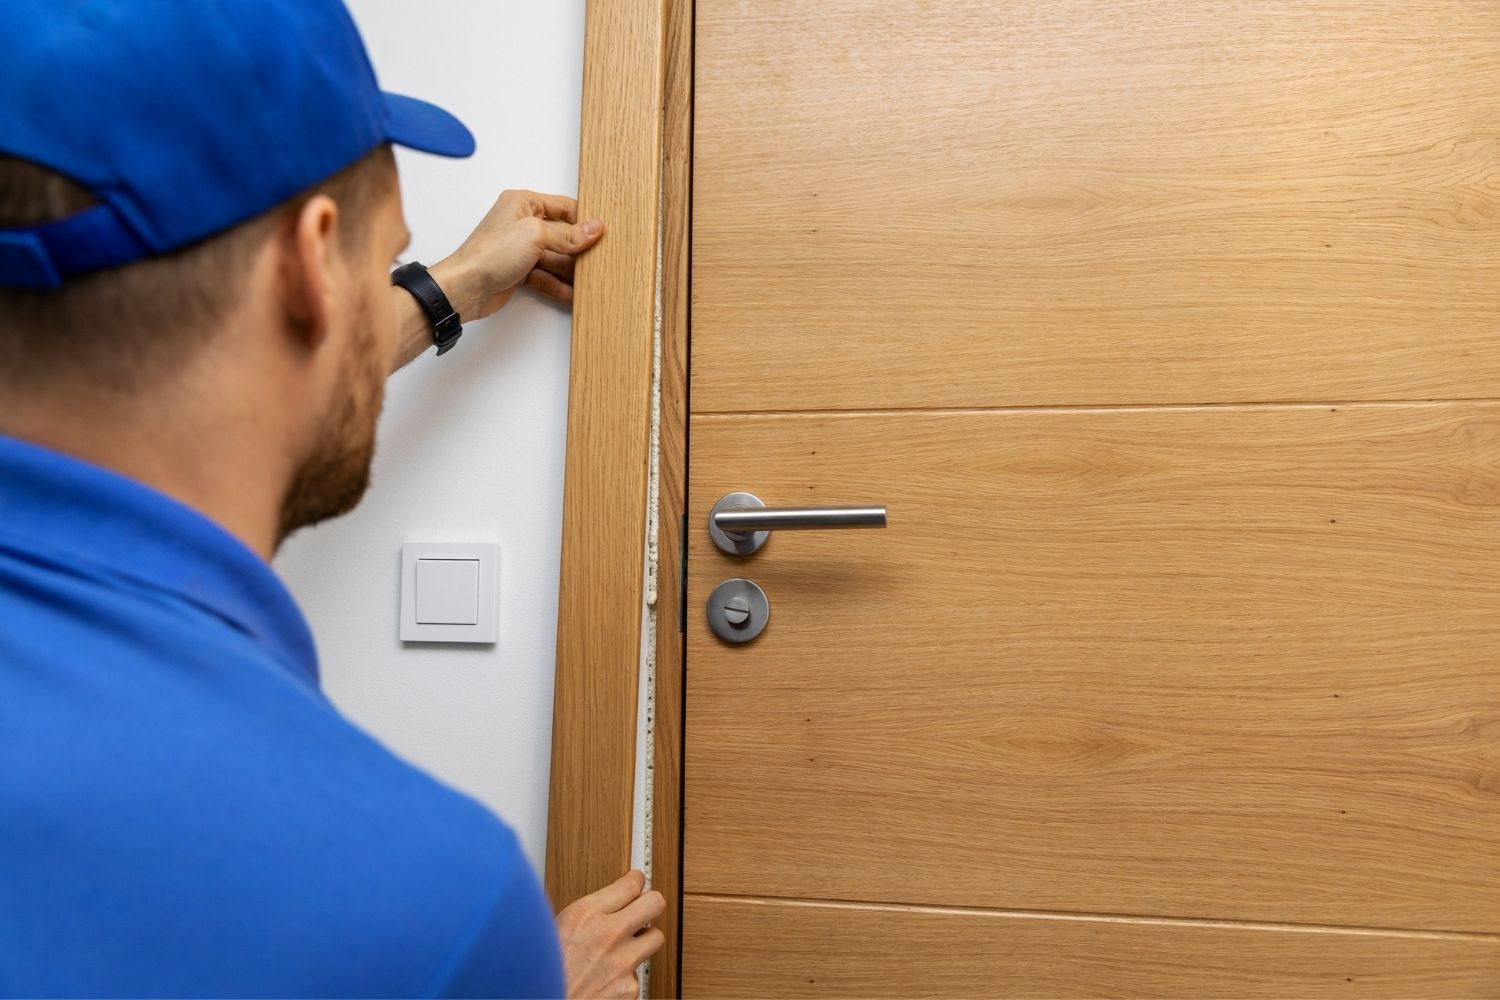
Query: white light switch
column 449, row 591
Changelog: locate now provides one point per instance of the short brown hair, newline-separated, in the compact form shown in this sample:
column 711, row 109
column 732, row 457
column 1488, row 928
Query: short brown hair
column 114, row 329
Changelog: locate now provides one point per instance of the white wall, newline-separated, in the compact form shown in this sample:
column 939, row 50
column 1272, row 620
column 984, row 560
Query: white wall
column 470, row 445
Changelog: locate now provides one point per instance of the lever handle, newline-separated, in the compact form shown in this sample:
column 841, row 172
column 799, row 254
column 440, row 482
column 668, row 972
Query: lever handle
column 740, row 522
column 798, row 518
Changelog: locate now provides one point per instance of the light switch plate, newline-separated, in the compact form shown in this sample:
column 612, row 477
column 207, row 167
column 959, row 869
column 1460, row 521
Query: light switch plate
column 442, row 583
column 447, row 591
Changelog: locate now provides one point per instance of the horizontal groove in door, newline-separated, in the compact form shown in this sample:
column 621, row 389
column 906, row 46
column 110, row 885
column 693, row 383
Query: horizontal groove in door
column 1104, row 918
column 1226, row 664
column 1098, row 408
column 760, row 948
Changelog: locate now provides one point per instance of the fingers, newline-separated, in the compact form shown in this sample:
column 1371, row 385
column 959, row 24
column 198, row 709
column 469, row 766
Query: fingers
column 553, row 276
column 620, row 893
column 605, row 937
column 643, row 946
column 559, row 264
column 556, row 206
column 550, row 285
column 641, row 911
column 521, row 203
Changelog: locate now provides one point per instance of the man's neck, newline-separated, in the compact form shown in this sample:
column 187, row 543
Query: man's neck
column 212, row 459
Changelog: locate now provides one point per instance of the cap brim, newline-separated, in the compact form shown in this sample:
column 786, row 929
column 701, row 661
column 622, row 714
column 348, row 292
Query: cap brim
column 419, row 125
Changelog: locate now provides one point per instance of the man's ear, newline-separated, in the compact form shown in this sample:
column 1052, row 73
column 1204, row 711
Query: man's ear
column 308, row 259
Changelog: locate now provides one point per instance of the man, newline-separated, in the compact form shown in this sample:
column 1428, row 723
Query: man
column 198, row 215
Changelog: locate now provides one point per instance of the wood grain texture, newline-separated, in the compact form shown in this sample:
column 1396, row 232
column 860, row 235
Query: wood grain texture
column 1223, row 662
column 666, row 805
column 1045, row 202
column 754, row 948
column 604, row 499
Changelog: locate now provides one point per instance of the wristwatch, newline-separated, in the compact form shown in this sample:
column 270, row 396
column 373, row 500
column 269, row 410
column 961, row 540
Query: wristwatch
column 447, row 326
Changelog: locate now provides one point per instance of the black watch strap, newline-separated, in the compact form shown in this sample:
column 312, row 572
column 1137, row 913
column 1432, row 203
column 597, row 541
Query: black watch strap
column 447, row 326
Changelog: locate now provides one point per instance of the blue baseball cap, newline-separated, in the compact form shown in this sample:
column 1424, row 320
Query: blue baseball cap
column 186, row 117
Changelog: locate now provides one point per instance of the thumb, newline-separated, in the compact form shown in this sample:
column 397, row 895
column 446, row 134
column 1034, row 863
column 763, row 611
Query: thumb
column 565, row 237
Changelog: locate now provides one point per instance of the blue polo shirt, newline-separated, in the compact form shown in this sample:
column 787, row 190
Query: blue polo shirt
column 183, row 813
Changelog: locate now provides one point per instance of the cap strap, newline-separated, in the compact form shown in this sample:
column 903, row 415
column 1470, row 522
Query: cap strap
column 42, row 256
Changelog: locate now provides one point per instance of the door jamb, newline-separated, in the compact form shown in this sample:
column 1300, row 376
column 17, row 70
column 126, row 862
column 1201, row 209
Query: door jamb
column 671, row 644
column 635, row 174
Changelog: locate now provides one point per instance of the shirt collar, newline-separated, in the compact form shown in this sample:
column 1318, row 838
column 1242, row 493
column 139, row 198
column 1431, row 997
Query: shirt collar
column 102, row 523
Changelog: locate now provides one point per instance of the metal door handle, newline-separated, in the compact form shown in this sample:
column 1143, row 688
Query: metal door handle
column 740, row 523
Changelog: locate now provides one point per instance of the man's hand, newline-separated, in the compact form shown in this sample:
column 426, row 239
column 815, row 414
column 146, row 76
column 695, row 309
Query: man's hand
column 527, row 238
column 606, row 935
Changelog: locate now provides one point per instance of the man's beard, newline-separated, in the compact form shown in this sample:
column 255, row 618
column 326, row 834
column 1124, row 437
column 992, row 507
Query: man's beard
column 335, row 473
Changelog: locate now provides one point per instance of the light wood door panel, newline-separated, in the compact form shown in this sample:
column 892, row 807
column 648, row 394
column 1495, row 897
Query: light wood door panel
column 755, row 948
column 1034, row 202
column 1223, row 662
column 1168, row 333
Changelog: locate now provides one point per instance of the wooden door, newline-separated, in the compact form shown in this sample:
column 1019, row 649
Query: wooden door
column 1170, row 335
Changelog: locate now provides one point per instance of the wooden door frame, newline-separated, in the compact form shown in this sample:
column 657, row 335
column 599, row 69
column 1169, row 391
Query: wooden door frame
column 635, row 167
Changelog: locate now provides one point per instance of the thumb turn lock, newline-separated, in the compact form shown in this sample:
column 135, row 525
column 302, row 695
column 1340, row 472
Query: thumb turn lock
column 738, row 610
